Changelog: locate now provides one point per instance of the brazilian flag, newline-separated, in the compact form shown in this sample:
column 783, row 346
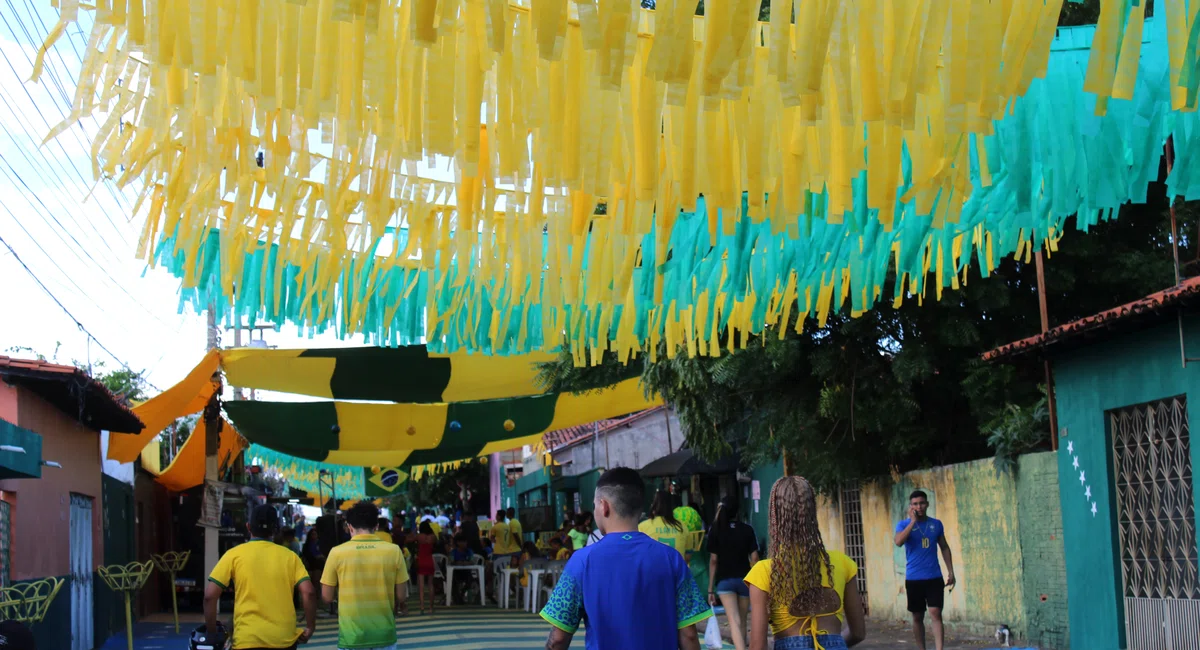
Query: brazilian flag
column 384, row 481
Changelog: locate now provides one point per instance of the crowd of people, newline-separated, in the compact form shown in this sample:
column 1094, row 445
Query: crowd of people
column 632, row 579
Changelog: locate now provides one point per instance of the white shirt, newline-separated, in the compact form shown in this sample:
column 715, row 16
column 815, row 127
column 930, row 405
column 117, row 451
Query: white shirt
column 443, row 521
column 594, row 537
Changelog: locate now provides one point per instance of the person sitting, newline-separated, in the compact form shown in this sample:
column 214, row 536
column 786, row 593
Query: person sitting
column 529, row 552
column 462, row 555
column 488, row 551
column 563, row 550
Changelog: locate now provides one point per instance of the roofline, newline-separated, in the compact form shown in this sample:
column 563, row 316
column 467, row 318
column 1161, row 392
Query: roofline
column 1182, row 294
column 29, row 373
column 623, row 422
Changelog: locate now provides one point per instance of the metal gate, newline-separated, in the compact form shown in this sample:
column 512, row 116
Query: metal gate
column 852, row 524
column 5, row 543
column 1156, row 525
column 81, row 572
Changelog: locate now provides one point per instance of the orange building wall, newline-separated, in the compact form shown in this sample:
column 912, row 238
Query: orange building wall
column 41, row 522
column 8, row 403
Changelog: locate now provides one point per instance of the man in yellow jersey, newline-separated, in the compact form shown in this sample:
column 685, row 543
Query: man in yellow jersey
column 501, row 534
column 514, row 527
column 371, row 577
column 262, row 575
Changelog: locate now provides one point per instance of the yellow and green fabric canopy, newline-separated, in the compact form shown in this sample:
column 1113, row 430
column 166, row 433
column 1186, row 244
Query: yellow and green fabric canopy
column 408, row 373
column 365, row 434
column 411, row 426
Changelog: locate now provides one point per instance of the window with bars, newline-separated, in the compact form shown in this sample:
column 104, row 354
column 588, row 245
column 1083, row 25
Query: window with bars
column 852, row 524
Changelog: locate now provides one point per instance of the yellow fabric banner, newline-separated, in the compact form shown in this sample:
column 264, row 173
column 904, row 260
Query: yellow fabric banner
column 185, row 398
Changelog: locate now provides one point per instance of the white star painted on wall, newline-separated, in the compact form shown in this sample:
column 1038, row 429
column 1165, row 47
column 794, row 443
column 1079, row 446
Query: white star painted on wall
column 1093, row 508
column 1070, row 447
column 1082, row 478
column 1088, row 493
column 1075, row 462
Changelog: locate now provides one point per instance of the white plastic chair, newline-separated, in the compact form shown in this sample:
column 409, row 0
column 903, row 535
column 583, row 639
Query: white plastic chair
column 501, row 573
column 535, row 567
column 553, row 570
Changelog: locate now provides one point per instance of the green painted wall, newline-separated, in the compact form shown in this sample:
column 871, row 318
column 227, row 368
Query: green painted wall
column 1130, row 369
column 1044, row 575
column 766, row 477
column 989, row 542
column 109, row 616
column 587, row 488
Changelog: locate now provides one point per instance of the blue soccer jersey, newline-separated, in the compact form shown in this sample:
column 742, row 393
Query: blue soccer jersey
column 633, row 592
column 921, row 549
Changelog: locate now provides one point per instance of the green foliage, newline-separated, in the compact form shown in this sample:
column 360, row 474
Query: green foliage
column 438, row 489
column 1015, row 431
column 127, row 384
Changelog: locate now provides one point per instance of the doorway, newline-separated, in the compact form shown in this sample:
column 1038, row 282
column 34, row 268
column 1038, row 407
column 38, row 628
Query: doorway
column 81, row 572
column 1156, row 524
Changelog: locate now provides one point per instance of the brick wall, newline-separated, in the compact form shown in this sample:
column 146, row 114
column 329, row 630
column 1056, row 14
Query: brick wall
column 1044, row 566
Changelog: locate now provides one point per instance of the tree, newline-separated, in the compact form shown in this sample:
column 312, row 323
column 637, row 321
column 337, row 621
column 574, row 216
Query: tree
column 440, row 488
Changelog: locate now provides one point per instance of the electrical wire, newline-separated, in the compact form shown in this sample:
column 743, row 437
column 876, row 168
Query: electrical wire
column 78, row 324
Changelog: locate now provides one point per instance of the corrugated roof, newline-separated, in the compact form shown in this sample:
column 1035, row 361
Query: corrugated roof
column 1152, row 305
column 73, row 392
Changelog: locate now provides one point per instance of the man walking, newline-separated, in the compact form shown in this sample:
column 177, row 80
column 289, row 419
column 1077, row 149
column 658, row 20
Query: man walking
column 263, row 575
column 635, row 593
column 919, row 534
column 371, row 577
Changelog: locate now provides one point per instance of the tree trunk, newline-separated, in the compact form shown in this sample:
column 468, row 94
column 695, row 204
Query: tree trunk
column 787, row 463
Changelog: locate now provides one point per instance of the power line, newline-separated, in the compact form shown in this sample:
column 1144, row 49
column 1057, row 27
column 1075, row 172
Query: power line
column 70, row 315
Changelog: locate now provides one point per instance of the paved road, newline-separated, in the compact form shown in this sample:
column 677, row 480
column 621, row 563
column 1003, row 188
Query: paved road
column 474, row 628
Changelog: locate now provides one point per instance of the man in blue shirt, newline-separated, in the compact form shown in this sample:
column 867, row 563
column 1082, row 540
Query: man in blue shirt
column 919, row 535
column 634, row 593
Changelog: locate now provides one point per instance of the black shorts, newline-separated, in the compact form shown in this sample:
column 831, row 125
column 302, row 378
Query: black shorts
column 925, row 593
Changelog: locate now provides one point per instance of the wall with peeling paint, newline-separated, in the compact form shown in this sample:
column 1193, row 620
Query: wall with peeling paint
column 1005, row 534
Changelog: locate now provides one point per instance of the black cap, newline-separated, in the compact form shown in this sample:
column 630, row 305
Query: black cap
column 264, row 521
column 15, row 636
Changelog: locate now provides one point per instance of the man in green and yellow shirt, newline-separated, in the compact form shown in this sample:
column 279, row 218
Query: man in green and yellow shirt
column 502, row 537
column 369, row 577
column 262, row 575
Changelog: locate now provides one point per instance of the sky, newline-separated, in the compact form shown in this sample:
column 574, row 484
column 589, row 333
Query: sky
column 79, row 240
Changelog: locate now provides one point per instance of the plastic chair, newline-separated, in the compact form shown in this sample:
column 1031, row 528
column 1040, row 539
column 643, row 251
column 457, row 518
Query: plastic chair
column 500, row 567
column 554, row 569
column 536, row 568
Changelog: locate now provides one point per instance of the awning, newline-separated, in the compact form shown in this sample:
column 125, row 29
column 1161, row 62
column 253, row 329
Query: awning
column 20, row 452
column 685, row 463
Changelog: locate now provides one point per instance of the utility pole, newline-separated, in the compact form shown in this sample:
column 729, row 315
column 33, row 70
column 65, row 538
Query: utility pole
column 1044, row 314
column 212, row 440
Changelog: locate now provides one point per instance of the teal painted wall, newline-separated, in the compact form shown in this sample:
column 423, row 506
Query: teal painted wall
column 1129, row 369
column 766, row 477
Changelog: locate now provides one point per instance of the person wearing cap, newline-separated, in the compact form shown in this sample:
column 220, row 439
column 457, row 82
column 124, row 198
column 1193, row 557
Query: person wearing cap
column 263, row 576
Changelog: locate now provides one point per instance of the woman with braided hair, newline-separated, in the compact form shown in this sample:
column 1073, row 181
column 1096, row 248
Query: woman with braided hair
column 804, row 591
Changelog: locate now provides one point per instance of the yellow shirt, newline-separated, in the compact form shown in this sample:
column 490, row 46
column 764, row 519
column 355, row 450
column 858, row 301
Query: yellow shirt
column 505, row 545
column 844, row 570
column 384, row 536
column 563, row 554
column 366, row 572
column 665, row 533
column 263, row 575
column 518, row 534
